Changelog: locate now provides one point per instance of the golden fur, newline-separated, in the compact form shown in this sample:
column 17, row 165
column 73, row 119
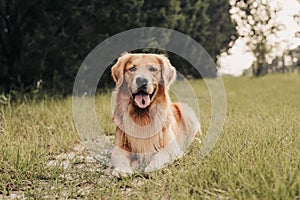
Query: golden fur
column 147, row 122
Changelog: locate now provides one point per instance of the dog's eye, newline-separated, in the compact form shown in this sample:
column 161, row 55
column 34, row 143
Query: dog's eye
column 132, row 69
column 153, row 69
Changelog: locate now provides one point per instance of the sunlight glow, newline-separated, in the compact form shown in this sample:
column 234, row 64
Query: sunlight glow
column 238, row 58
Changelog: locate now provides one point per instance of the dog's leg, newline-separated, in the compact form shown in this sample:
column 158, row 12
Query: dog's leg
column 175, row 149
column 121, row 161
column 166, row 155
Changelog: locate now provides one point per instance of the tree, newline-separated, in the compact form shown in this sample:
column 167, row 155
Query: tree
column 206, row 21
column 221, row 28
column 48, row 40
column 256, row 25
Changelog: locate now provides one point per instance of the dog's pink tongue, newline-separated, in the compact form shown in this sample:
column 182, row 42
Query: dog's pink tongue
column 142, row 100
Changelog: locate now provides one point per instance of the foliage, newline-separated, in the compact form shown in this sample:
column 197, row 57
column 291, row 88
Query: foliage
column 256, row 24
column 48, row 40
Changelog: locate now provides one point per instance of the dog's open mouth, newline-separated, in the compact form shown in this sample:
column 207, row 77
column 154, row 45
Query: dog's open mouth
column 142, row 99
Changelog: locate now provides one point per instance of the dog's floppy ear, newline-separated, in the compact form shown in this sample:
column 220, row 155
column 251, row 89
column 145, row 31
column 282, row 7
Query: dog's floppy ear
column 168, row 72
column 117, row 71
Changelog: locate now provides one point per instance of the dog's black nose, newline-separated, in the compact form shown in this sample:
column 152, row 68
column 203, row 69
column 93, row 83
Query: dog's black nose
column 141, row 82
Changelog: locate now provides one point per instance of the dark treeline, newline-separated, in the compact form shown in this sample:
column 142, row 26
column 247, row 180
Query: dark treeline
column 48, row 40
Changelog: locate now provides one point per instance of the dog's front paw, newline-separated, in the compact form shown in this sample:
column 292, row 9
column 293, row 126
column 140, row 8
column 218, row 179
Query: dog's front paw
column 161, row 159
column 122, row 172
column 156, row 164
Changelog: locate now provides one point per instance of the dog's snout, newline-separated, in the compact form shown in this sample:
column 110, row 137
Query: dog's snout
column 141, row 82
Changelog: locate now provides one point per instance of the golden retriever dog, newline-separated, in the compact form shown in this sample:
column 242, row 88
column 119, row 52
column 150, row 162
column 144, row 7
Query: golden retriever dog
column 151, row 131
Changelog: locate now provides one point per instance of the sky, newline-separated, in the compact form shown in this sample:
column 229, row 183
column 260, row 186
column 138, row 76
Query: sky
column 237, row 59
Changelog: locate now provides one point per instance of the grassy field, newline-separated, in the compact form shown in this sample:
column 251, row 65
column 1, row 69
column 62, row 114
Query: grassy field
column 256, row 157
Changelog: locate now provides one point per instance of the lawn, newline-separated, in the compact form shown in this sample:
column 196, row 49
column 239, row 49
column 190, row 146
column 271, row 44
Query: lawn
column 256, row 157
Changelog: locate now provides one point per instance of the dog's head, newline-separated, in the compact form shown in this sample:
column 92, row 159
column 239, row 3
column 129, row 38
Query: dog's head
column 142, row 74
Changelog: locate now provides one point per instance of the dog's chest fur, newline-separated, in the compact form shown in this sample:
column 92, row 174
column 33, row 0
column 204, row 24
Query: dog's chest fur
column 145, row 132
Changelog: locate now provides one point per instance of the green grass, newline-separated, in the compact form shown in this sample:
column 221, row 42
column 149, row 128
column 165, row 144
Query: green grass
column 256, row 157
